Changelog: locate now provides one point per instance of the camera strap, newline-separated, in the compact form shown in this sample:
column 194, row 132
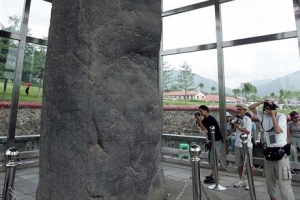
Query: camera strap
column 261, row 124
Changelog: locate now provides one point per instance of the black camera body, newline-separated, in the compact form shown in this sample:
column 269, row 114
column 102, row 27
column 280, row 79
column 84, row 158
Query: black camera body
column 268, row 106
column 197, row 114
column 238, row 119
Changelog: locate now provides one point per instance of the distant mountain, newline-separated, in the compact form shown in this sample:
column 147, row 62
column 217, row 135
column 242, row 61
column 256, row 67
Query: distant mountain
column 289, row 82
column 264, row 87
column 261, row 82
column 208, row 83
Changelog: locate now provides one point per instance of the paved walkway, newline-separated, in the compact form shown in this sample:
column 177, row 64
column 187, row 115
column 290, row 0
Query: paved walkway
column 176, row 176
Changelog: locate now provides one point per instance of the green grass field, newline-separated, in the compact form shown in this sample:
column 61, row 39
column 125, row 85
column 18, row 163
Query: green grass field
column 32, row 97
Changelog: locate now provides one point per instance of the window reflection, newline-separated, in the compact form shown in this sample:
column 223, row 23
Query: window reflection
column 203, row 65
column 11, row 15
column 248, row 18
column 33, row 72
column 39, row 21
column 188, row 29
column 270, row 66
column 8, row 60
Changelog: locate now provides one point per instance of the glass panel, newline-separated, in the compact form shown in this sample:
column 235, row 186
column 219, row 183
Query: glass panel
column 39, row 22
column 172, row 4
column 203, row 65
column 32, row 73
column 202, row 88
column 8, row 61
column 11, row 12
column 271, row 70
column 248, row 18
column 188, row 29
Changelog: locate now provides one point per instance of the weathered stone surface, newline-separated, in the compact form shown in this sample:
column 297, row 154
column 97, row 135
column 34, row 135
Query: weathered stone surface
column 101, row 118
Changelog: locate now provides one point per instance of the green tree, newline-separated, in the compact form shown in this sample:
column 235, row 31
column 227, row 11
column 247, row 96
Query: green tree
column 281, row 93
column 213, row 89
column 185, row 78
column 167, row 76
column 248, row 89
column 236, row 92
column 8, row 52
column 201, row 86
column 296, row 94
column 272, row 95
column 34, row 57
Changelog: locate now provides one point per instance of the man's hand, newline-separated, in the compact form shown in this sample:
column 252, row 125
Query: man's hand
column 270, row 112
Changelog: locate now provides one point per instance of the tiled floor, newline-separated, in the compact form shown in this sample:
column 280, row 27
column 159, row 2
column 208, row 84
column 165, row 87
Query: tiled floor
column 176, row 177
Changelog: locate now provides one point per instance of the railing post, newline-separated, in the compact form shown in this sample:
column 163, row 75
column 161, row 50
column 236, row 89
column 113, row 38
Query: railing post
column 244, row 138
column 11, row 156
column 216, row 162
column 195, row 151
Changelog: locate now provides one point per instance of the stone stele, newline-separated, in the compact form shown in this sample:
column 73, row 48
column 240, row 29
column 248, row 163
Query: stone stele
column 101, row 119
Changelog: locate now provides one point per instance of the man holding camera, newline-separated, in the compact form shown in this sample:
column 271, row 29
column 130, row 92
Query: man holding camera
column 243, row 125
column 205, row 124
column 276, row 150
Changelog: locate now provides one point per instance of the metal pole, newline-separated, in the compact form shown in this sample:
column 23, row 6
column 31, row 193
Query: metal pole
column 216, row 162
column 195, row 151
column 17, row 78
column 244, row 138
column 11, row 156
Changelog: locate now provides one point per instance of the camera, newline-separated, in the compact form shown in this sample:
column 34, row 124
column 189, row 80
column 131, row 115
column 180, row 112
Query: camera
column 238, row 119
column 268, row 106
column 197, row 114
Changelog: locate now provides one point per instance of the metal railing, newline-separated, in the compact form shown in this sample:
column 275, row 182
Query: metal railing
column 170, row 153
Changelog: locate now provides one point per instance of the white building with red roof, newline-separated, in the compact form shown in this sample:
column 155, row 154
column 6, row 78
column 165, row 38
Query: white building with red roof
column 181, row 94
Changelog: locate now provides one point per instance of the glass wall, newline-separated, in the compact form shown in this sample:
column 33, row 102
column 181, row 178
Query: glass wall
column 23, row 46
column 177, row 28
column 249, row 18
column 8, row 62
column 239, row 43
column 11, row 15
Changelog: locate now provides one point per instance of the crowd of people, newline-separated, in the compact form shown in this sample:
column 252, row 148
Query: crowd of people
column 279, row 138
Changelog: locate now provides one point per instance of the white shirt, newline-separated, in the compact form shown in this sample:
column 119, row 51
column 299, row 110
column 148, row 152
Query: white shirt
column 280, row 139
column 246, row 123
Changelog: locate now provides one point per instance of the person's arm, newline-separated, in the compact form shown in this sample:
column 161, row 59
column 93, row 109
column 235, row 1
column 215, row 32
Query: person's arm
column 254, row 132
column 253, row 106
column 242, row 129
column 288, row 134
column 276, row 126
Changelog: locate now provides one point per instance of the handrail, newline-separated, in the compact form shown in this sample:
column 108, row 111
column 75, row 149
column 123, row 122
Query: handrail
column 200, row 139
column 204, row 155
column 24, row 155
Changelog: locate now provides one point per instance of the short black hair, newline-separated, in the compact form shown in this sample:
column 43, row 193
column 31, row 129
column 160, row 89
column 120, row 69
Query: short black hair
column 293, row 113
column 204, row 107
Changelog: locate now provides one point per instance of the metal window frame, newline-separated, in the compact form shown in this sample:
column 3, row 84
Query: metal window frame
column 22, row 38
column 220, row 45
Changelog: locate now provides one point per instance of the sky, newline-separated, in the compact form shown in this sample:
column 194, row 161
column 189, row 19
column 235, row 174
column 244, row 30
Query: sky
column 39, row 17
column 240, row 19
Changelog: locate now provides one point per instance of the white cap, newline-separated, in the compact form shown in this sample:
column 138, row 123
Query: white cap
column 227, row 114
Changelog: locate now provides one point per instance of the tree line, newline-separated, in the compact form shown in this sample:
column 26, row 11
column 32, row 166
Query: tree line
column 34, row 57
column 185, row 82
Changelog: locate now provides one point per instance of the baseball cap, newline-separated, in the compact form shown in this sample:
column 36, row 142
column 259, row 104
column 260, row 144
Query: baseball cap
column 242, row 106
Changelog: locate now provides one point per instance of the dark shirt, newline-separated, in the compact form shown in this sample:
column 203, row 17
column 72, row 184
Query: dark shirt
column 211, row 121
